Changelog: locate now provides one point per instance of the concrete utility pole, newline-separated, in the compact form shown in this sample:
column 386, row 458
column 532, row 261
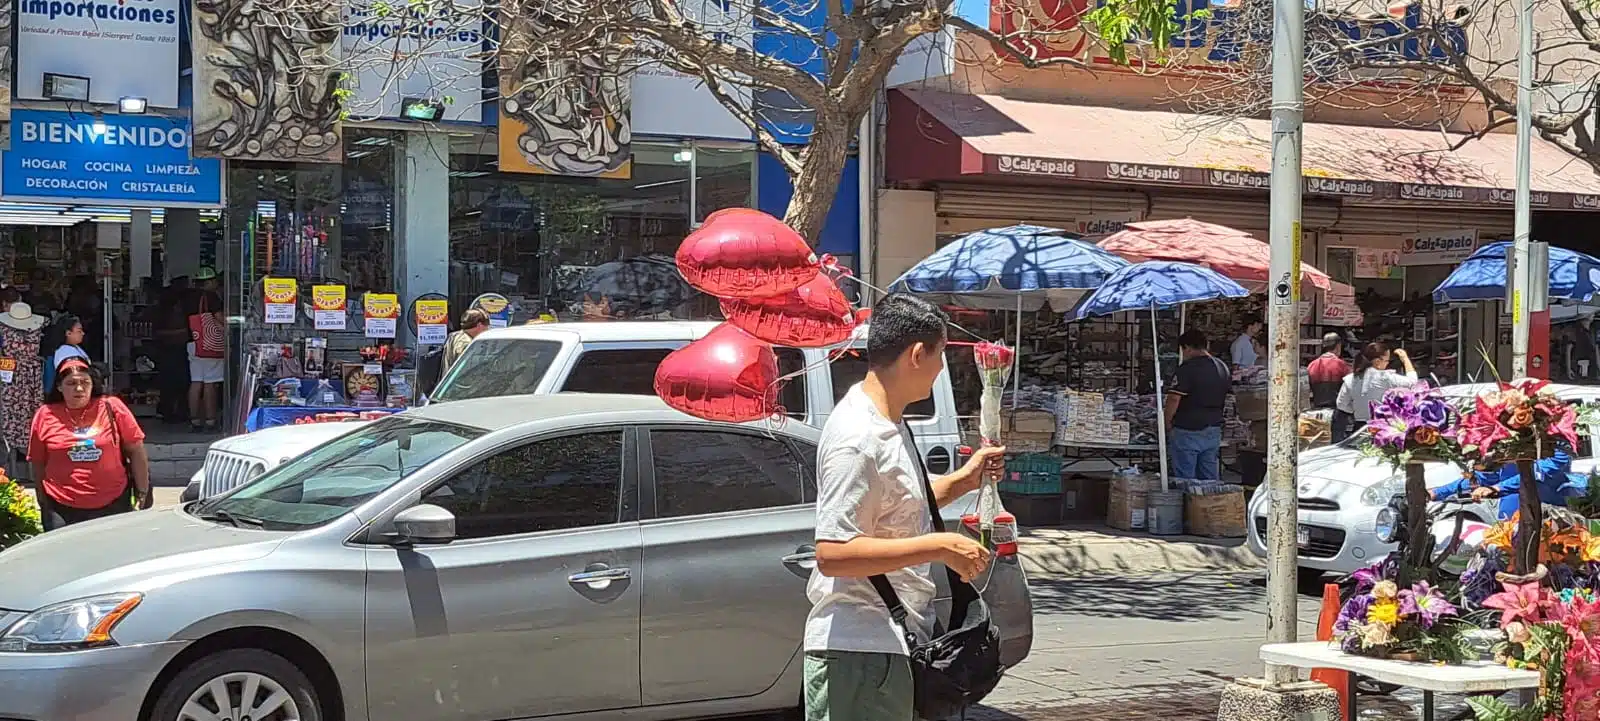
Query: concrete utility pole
column 1288, row 114
column 1521, row 269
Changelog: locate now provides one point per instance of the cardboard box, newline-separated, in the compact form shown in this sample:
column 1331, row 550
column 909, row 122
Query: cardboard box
column 1033, row 510
column 1126, row 504
column 1084, row 498
column 1028, row 421
column 1250, row 405
column 1215, row 516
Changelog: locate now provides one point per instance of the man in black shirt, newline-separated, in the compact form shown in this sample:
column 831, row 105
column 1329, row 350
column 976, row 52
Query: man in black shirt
column 1194, row 410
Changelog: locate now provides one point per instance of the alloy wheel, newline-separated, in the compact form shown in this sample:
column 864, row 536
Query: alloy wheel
column 240, row 696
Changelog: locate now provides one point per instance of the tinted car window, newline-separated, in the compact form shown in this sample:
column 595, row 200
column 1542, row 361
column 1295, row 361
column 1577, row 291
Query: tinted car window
column 629, row 371
column 700, row 472
column 848, row 369
column 491, row 368
column 333, row 478
column 567, row 482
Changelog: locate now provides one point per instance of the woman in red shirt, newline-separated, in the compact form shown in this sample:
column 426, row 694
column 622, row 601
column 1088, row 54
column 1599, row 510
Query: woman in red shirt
column 77, row 446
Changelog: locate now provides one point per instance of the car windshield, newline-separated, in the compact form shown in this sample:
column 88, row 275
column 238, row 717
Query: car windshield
column 491, row 368
column 326, row 483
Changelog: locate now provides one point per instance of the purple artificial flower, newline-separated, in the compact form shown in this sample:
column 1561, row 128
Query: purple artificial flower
column 1425, row 603
column 1353, row 613
column 1368, row 576
column 1433, row 411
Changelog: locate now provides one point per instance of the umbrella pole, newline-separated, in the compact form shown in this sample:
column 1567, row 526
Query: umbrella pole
column 1016, row 373
column 1183, row 319
column 1161, row 420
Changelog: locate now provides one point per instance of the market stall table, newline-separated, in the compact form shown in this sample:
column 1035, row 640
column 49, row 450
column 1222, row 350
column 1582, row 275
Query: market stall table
column 270, row 416
column 1119, row 455
column 1472, row 678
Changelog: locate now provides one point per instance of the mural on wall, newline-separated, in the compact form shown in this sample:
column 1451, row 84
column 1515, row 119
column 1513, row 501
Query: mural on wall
column 266, row 81
column 564, row 117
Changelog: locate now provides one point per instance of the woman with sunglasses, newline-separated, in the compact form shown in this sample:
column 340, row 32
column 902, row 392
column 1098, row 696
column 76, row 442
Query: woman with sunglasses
column 86, row 449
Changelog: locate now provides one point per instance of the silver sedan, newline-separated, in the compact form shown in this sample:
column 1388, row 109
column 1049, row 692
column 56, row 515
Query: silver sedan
column 563, row 556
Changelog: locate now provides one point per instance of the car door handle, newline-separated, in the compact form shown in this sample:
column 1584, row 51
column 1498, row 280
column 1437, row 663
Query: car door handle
column 600, row 578
column 804, row 557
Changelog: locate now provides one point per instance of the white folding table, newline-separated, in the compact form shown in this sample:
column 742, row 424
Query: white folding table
column 1469, row 679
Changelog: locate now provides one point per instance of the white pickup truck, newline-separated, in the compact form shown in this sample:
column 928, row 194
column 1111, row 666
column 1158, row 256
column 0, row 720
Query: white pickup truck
column 619, row 357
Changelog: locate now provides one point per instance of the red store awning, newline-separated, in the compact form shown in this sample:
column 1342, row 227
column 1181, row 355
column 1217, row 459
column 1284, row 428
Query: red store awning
column 941, row 136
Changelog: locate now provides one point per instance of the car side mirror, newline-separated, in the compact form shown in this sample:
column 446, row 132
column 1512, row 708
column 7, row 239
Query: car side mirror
column 423, row 525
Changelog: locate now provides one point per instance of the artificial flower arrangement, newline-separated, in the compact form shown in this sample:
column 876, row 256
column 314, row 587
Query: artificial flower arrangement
column 1412, row 425
column 1556, row 633
column 19, row 514
column 994, row 361
column 1521, row 420
column 1385, row 620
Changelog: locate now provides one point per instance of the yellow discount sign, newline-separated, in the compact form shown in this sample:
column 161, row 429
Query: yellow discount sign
column 381, row 311
column 433, row 318
column 328, row 306
column 281, row 296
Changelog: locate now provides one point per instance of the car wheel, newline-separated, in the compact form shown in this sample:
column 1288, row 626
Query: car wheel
column 239, row 685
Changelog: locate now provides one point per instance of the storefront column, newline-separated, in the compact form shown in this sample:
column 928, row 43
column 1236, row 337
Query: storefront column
column 181, row 242
column 422, row 216
column 139, row 246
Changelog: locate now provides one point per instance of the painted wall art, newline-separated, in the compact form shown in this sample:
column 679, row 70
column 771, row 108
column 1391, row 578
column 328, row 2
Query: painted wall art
column 266, row 80
column 566, row 116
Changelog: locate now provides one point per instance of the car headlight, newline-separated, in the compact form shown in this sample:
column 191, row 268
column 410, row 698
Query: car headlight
column 70, row 626
column 1387, row 524
column 1380, row 493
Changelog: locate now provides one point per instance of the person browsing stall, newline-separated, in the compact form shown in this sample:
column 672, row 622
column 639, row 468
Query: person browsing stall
column 77, row 446
column 872, row 518
column 1327, row 372
column 1243, row 352
column 473, row 324
column 1373, row 376
column 1193, row 410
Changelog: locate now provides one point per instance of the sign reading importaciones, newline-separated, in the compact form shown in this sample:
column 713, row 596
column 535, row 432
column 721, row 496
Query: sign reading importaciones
column 136, row 160
column 126, row 48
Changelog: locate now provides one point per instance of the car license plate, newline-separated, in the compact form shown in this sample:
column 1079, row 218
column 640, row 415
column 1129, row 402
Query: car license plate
column 1302, row 536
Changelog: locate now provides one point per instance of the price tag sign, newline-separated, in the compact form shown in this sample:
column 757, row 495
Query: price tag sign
column 433, row 319
column 8, row 370
column 381, row 311
column 328, row 306
column 281, row 296
column 372, row 369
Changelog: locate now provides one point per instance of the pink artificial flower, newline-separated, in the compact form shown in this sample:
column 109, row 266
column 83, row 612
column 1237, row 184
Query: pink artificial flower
column 1565, row 425
column 1481, row 426
column 1521, row 602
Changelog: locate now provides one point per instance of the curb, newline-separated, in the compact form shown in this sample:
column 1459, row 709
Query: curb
column 1048, row 552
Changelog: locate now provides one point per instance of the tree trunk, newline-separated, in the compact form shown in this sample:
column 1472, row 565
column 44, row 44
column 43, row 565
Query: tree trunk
column 1530, row 526
column 821, row 165
column 1417, row 497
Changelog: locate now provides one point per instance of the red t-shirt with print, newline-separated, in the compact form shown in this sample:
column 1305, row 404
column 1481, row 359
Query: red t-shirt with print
column 82, row 460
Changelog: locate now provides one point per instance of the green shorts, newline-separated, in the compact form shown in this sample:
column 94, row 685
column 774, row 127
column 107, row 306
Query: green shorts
column 853, row 686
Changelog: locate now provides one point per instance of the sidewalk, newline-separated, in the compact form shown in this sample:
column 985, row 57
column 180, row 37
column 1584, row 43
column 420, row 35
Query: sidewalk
column 1093, row 549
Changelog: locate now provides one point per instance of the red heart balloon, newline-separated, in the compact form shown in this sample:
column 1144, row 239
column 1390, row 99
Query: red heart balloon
column 814, row 315
column 743, row 253
column 726, row 376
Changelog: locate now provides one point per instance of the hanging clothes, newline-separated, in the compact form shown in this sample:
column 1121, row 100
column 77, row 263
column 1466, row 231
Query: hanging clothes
column 23, row 393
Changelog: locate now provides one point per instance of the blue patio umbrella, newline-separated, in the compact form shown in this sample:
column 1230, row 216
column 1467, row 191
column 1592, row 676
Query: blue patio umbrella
column 1018, row 267
column 1153, row 285
column 1574, row 276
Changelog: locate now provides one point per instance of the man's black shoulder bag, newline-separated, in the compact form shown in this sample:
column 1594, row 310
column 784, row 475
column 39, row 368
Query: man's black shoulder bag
column 956, row 669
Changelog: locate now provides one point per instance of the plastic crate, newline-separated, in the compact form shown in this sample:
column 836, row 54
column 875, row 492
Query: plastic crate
column 1032, row 474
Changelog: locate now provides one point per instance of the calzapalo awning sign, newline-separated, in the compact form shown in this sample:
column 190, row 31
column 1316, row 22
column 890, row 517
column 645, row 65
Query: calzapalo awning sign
column 131, row 160
column 1438, row 247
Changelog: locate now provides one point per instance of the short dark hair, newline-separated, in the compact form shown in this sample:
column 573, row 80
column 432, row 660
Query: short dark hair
column 900, row 321
column 1251, row 319
column 1331, row 341
column 97, row 381
column 1193, row 338
column 474, row 318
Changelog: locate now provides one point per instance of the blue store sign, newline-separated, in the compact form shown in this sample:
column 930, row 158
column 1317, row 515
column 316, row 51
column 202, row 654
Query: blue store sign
column 137, row 161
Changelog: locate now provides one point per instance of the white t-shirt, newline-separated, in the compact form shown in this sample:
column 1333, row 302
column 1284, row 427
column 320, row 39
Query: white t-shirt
column 867, row 485
column 68, row 351
column 1243, row 352
column 1358, row 393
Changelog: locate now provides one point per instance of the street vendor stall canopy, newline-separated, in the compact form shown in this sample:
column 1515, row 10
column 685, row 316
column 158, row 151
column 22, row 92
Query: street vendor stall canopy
column 1574, row 276
column 1018, row 267
column 1233, row 253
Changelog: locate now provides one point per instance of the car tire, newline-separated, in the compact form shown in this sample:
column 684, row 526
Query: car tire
column 239, row 671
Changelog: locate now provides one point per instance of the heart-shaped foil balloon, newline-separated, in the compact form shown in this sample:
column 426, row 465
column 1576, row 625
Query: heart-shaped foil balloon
column 729, row 375
column 812, row 316
column 744, row 253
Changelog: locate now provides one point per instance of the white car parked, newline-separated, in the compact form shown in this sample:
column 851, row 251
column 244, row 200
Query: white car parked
column 1341, row 492
column 613, row 358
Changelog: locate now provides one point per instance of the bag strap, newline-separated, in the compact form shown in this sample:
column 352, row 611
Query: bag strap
column 961, row 592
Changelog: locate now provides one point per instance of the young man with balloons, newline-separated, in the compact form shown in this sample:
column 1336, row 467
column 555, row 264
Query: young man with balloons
column 873, row 518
